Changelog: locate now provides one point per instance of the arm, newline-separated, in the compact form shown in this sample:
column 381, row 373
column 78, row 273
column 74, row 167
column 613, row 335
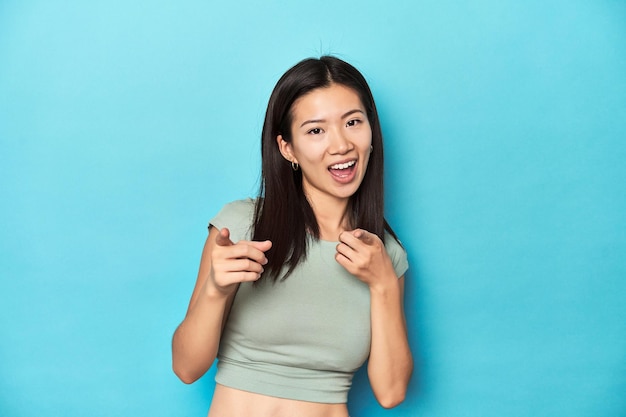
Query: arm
column 390, row 363
column 222, row 267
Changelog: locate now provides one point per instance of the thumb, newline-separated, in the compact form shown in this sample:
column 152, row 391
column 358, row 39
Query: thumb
column 263, row 246
column 223, row 238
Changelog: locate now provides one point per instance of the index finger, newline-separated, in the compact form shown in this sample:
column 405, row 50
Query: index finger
column 363, row 235
column 350, row 239
column 223, row 238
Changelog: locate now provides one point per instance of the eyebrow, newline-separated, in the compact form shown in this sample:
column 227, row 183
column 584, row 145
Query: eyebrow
column 343, row 116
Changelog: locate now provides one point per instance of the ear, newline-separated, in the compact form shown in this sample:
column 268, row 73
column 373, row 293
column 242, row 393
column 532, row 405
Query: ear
column 285, row 149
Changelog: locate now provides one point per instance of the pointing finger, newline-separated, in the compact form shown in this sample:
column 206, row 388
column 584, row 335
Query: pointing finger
column 363, row 236
column 223, row 238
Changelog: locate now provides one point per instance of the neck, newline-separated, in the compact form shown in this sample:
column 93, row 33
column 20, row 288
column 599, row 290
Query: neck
column 331, row 214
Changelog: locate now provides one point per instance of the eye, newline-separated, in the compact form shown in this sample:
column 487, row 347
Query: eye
column 353, row 122
column 315, row 131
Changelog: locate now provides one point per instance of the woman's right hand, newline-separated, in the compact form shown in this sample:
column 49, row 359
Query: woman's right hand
column 233, row 263
column 224, row 265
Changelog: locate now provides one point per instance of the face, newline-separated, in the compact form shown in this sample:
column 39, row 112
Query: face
column 331, row 139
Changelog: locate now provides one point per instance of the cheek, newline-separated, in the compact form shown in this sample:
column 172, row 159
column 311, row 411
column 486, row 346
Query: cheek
column 367, row 160
column 366, row 149
column 310, row 152
column 365, row 143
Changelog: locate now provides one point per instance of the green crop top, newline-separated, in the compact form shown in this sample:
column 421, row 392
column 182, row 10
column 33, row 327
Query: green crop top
column 302, row 338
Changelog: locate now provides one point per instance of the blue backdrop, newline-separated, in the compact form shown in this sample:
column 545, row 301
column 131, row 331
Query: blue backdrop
column 124, row 126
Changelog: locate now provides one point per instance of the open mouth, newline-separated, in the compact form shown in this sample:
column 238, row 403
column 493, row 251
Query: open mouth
column 343, row 171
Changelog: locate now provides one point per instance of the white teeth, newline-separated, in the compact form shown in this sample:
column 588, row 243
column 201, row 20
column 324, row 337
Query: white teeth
column 343, row 166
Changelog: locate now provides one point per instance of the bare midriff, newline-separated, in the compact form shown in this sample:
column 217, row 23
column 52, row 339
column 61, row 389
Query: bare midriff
column 230, row 402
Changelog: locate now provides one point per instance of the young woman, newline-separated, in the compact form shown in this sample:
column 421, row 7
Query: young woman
column 299, row 287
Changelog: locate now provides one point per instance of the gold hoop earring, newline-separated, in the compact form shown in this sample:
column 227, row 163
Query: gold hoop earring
column 294, row 166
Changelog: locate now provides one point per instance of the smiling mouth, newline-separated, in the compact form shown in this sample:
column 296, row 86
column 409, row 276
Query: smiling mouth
column 345, row 165
column 343, row 171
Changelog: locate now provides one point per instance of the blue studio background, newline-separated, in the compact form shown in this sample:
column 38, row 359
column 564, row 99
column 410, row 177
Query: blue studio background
column 124, row 126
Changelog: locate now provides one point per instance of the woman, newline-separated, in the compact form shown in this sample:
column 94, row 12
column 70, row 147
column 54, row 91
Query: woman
column 297, row 288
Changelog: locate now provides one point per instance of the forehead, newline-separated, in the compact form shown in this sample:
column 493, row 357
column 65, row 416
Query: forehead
column 327, row 102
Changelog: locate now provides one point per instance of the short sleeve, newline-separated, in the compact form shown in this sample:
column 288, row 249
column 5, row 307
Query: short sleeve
column 237, row 216
column 397, row 254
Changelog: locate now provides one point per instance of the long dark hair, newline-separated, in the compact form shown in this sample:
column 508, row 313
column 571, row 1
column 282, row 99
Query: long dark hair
column 282, row 213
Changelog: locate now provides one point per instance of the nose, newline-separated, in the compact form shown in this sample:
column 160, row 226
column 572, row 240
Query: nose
column 339, row 143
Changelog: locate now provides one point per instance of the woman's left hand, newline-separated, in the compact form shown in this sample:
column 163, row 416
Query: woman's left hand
column 363, row 254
